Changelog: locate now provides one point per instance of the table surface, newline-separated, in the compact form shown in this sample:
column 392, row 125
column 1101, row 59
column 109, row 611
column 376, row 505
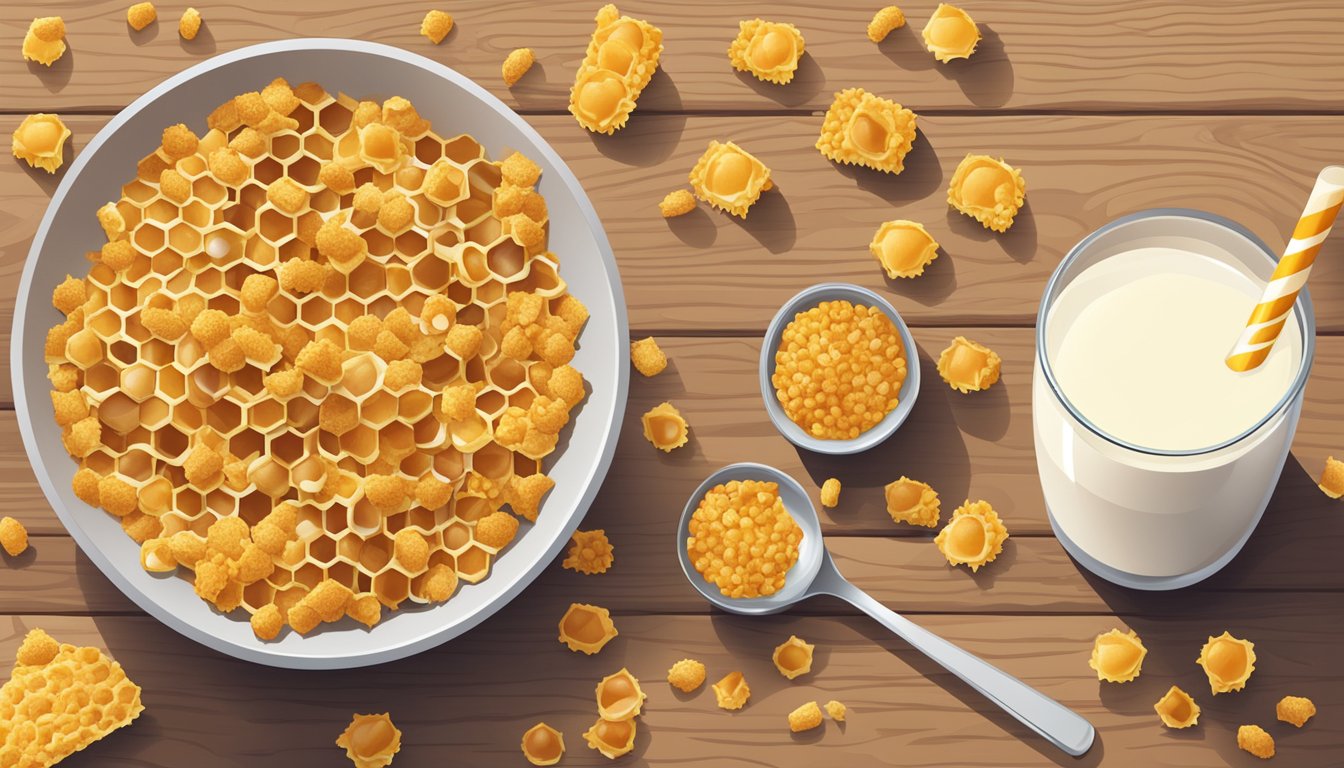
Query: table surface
column 1108, row 107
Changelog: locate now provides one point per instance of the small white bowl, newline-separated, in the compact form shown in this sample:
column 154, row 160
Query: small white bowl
column 880, row 431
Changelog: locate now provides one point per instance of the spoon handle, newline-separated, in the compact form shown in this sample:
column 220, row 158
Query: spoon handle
column 1059, row 725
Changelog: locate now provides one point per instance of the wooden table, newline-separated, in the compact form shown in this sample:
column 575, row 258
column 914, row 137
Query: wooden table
column 1108, row 107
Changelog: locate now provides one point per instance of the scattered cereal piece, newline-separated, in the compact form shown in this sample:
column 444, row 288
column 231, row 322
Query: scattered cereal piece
column 974, row 536
column 805, row 718
column 884, row 22
column 910, row 501
column 729, row 178
column 951, row 33
column 543, row 745
column 516, row 64
column 141, row 15
column 647, row 356
column 830, row 492
column 44, row 42
column 590, row 553
column 190, row 24
column 677, row 203
column 1117, row 657
column 732, row 691
column 1332, row 478
column 619, row 696
column 967, row 366
column 612, row 738
column 686, row 675
column 903, row 248
column 665, row 427
column 267, row 622
column 1228, row 662
column 793, row 657
column 621, row 59
column 765, row 538
column 40, row 141
column 836, row 710
column 767, row 49
column 436, row 26
column 13, row 536
column 370, row 741
column 1177, row 709
column 988, row 190
column 1293, row 709
column 586, row 628
column 1254, row 739
column 863, row 129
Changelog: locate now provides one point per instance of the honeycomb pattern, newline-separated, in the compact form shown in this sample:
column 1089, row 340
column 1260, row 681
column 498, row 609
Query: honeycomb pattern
column 330, row 322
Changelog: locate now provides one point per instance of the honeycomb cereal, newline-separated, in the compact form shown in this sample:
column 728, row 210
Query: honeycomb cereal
column 793, row 657
column 729, row 178
column 589, row 553
column 59, row 699
column 44, row 42
column 1332, row 478
column 830, row 492
column 913, row 502
column 543, row 745
column 1296, row 710
column 370, row 741
column 586, row 628
column 436, row 25
column 742, row 539
column 621, row 59
column 686, row 675
column 619, row 696
column 1177, row 709
column 665, row 427
column 863, row 129
column 1254, row 739
column 732, row 691
column 967, row 366
column 973, row 537
column 190, row 24
column 40, row 141
column 769, row 50
column 885, row 21
column 1117, row 657
column 252, row 373
column 814, row 349
column 678, row 202
column 805, row 718
column 516, row 64
column 951, row 33
column 648, row 357
column 988, row 190
column 836, row 710
column 13, row 536
column 141, row 15
column 1228, row 662
column 903, row 248
column 612, row 738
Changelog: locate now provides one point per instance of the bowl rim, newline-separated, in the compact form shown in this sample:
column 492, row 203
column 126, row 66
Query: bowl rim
column 879, row 432
column 396, row 647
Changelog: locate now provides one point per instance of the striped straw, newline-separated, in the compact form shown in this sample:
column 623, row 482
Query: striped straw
column 1268, row 317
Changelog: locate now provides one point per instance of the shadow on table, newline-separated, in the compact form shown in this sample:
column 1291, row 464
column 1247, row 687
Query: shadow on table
column 1019, row 242
column 807, row 82
column 650, row 138
column 986, row 78
column 921, row 177
column 57, row 76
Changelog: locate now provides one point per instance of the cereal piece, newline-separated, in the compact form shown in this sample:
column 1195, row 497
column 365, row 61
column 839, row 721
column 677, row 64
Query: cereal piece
column 619, row 696
column 385, row 492
column 60, row 698
column 459, row 401
column 863, row 129
column 1332, row 478
column 836, row 710
column 69, row 407
column 665, row 428
column 174, row 186
column 516, row 64
column 1296, row 710
column 648, row 358
column 765, row 538
column 396, row 213
column 677, row 203
column 974, row 536
column 1254, row 739
column 387, row 346
column 951, row 33
column 436, row 26
column 40, row 141
column 179, row 141
column 586, row 628
column 903, row 248
column 807, row 379
column 411, row 550
column 337, row 178
column 967, row 366
column 141, row 15
column 793, row 657
column 370, row 741
column 463, row 341
column 343, row 248
column 111, row 220
column 210, row 327
column 287, row 195
column 368, row 198
column 366, row 609
column 227, row 166
column 283, row 384
column 729, row 178
column 621, row 59
column 767, row 49
column 528, row 233
column 543, row 745
column 267, row 622
column 885, row 21
column 63, row 377
column 524, row 494
column 1228, row 662
column 496, row 530
column 612, row 738
column 117, row 496
column 805, row 718
column 13, row 536
column 249, row 141
column 190, row 24
column 1177, row 709
column 732, row 691
column 1117, row 657
column 910, row 501
column 401, row 374
column 686, row 675
column 320, row 360
column 830, row 492
column 44, row 42
column 118, row 255
column 589, row 553
column 988, row 190
column 280, row 97
column 440, row 582
column 225, row 118
column 86, row 486
column 400, row 115
column 300, row 276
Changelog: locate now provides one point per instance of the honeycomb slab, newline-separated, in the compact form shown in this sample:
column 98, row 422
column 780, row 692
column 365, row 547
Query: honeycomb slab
column 863, row 129
column 769, row 50
column 621, row 59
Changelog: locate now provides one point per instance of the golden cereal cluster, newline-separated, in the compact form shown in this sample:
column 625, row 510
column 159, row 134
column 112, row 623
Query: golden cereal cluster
column 319, row 359
column 839, row 369
column 742, row 539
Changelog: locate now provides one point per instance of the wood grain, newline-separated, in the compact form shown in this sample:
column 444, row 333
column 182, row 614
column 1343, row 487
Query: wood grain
column 1106, row 55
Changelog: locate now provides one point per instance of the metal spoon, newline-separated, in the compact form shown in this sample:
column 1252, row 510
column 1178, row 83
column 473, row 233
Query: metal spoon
column 815, row 574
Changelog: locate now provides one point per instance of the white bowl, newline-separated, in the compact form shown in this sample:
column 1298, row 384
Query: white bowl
column 455, row 105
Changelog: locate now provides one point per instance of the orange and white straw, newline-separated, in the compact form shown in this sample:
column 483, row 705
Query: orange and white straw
column 1268, row 317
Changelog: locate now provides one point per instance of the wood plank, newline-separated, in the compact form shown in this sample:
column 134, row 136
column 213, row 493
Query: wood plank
column 200, row 704
column 1145, row 55
column 707, row 272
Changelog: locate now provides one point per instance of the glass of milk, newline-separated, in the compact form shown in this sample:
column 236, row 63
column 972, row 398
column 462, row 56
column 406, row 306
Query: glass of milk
column 1156, row 459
